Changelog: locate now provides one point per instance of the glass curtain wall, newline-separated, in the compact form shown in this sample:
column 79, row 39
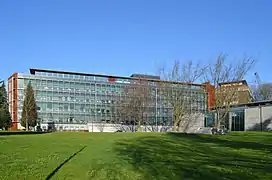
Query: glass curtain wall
column 235, row 118
column 238, row 120
column 69, row 98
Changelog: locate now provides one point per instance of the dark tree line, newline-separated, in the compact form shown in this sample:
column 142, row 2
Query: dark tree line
column 29, row 115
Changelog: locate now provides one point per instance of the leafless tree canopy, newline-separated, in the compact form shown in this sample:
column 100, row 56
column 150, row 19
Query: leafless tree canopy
column 188, row 72
column 180, row 96
column 220, row 71
column 262, row 92
column 133, row 106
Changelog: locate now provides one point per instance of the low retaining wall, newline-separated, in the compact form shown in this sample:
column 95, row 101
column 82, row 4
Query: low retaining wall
column 196, row 122
column 101, row 127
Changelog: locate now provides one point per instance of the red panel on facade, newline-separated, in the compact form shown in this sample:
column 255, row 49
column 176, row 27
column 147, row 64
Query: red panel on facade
column 111, row 79
column 14, row 100
column 211, row 90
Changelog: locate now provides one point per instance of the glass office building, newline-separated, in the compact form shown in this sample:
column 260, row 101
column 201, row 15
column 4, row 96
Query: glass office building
column 81, row 98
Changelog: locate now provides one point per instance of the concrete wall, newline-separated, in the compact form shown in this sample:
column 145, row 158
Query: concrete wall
column 252, row 117
column 266, row 117
column 67, row 127
column 101, row 127
column 258, row 118
column 196, row 122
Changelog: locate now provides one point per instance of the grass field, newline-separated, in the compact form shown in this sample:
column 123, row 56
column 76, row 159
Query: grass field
column 136, row 156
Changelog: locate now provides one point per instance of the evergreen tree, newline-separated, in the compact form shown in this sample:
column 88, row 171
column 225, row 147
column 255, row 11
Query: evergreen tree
column 29, row 114
column 5, row 119
column 3, row 97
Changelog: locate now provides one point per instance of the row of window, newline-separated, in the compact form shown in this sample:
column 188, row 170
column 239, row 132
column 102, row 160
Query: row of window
column 102, row 111
column 100, row 99
column 103, row 101
column 46, row 89
column 76, row 77
column 47, row 76
column 82, row 120
column 195, row 95
column 84, row 116
column 81, row 84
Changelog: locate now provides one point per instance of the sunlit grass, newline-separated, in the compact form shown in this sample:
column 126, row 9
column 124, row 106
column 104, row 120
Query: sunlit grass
column 136, row 156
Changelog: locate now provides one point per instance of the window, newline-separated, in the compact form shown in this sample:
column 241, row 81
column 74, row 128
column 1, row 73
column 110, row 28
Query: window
column 71, row 76
column 66, row 107
column 55, row 98
column 209, row 120
column 49, row 106
column 55, row 107
column 61, row 107
column 238, row 122
column 66, row 84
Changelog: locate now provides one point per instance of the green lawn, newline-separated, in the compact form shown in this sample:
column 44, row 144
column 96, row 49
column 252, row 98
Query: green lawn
column 136, row 156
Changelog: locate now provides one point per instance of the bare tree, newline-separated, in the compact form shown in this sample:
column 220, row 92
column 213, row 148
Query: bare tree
column 116, row 120
column 179, row 93
column 133, row 106
column 101, row 125
column 262, row 92
column 221, row 72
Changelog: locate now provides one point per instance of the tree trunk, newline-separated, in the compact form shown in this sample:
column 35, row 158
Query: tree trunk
column 26, row 121
column 139, row 126
column 175, row 126
column 186, row 126
column 218, row 120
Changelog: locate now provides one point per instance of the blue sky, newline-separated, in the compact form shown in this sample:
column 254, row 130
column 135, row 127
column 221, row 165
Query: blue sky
column 122, row 37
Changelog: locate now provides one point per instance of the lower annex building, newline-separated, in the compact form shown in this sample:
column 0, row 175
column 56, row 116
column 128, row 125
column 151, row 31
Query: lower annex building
column 78, row 101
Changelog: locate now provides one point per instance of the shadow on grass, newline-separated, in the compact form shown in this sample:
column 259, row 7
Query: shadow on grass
column 186, row 156
column 64, row 162
column 7, row 133
column 263, row 143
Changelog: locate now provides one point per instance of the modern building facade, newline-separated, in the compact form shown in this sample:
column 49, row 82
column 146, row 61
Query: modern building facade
column 253, row 116
column 74, row 100
column 242, row 94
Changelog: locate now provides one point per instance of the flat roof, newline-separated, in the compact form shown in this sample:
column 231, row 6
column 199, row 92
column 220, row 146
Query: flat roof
column 251, row 104
column 256, row 103
column 232, row 82
column 34, row 70
column 145, row 76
